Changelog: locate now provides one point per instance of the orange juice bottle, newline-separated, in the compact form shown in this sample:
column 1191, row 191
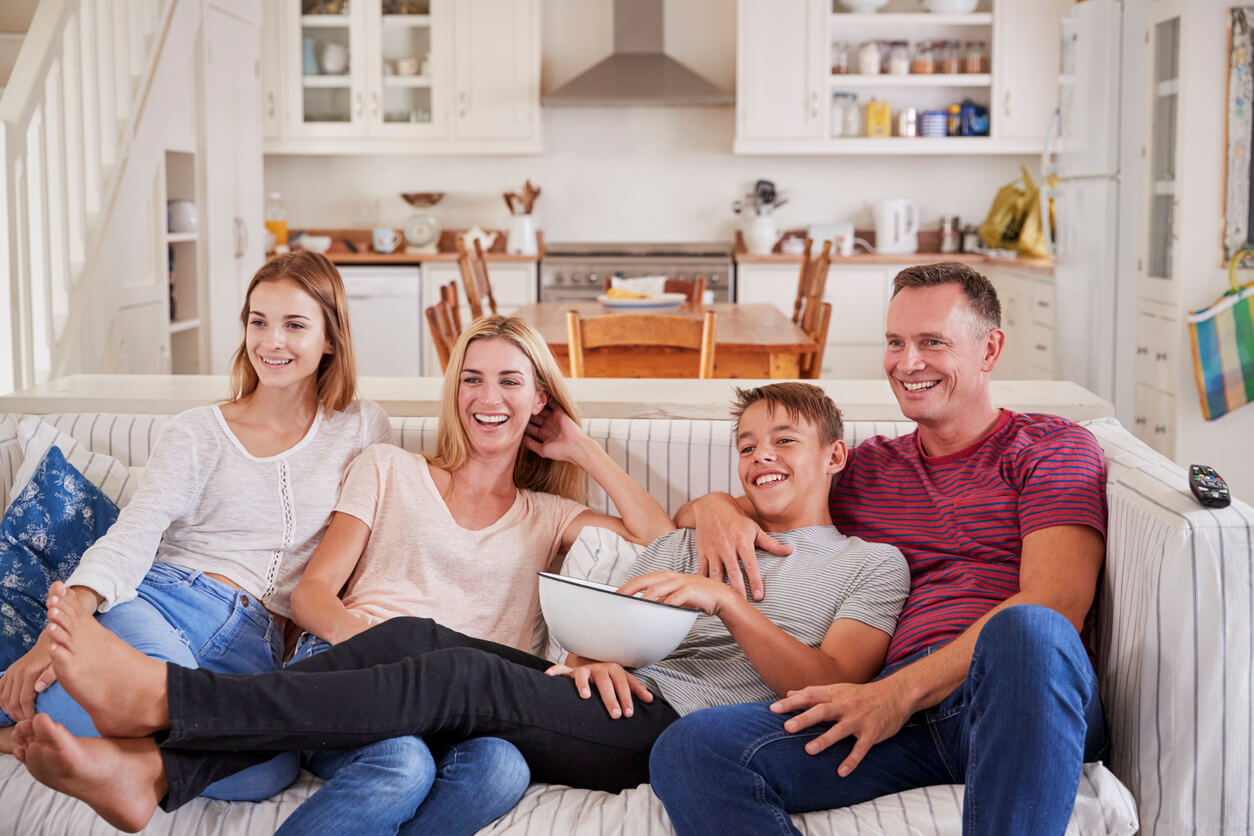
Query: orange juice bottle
column 879, row 118
column 276, row 218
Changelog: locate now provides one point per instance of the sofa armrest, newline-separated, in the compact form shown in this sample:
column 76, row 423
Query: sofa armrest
column 1175, row 645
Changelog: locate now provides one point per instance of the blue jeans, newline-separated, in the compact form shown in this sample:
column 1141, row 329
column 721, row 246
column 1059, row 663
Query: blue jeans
column 184, row 617
column 411, row 789
column 1017, row 732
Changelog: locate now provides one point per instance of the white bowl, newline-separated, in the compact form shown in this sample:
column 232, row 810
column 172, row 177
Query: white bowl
column 950, row 7
column 863, row 7
column 596, row 621
column 314, row 243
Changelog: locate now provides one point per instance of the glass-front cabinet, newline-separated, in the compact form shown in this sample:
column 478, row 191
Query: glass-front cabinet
column 366, row 67
column 1158, row 267
column 401, row 76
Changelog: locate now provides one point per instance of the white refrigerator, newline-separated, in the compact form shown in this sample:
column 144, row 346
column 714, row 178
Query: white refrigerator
column 1082, row 150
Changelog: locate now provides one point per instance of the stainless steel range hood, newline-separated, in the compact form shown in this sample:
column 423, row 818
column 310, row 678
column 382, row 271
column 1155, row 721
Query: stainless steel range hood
column 638, row 72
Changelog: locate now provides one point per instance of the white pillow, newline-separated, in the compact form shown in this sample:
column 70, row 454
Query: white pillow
column 34, row 437
column 600, row 555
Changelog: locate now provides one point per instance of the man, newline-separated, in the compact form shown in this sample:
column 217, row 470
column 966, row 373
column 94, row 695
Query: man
column 834, row 605
column 987, row 682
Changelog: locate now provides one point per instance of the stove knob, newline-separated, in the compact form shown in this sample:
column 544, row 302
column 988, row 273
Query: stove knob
column 558, row 278
column 592, row 278
column 714, row 279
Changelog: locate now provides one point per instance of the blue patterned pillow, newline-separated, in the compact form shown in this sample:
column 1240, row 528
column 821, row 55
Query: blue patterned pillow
column 47, row 528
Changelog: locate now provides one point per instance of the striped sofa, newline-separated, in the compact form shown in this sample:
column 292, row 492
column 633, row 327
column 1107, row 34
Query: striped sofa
column 1175, row 649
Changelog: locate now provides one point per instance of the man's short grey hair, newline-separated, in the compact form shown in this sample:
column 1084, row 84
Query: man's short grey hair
column 980, row 293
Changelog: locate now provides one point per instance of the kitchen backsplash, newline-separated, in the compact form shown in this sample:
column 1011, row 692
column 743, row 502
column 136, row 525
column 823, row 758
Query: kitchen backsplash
column 663, row 174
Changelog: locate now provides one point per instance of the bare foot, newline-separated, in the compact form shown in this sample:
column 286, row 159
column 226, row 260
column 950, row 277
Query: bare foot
column 121, row 779
column 6, row 741
column 122, row 689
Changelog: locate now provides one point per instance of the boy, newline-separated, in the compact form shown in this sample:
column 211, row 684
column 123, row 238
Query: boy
column 832, row 610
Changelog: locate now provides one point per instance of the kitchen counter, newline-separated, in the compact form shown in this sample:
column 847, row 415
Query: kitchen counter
column 859, row 400
column 926, row 255
column 446, row 249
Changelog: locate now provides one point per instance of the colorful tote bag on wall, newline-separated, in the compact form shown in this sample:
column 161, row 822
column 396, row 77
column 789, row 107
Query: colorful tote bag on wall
column 1222, row 337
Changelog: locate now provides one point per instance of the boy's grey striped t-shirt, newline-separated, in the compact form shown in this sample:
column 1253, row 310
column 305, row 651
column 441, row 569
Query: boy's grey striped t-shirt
column 827, row 576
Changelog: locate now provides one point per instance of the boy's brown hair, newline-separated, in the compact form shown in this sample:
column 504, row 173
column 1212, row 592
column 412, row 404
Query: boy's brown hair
column 799, row 400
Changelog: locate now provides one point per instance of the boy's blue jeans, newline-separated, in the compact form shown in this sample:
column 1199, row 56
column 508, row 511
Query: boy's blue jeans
column 184, row 617
column 1017, row 732
column 401, row 786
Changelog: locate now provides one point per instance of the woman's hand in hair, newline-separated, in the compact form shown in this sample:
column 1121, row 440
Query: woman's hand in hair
column 554, row 435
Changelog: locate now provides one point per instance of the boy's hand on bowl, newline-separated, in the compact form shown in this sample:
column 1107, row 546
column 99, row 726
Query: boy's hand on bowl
column 615, row 685
column 706, row 594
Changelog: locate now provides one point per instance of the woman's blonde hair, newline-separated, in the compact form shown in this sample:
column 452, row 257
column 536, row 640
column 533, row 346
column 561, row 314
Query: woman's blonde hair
column 531, row 472
column 317, row 276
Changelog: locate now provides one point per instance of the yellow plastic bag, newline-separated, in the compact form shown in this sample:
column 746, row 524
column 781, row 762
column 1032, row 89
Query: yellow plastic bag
column 1014, row 219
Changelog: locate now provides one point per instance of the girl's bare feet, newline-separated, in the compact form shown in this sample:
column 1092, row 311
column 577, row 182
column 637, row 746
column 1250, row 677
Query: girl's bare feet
column 121, row 779
column 122, row 689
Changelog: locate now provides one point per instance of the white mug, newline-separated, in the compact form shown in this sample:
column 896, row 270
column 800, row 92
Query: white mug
column 384, row 239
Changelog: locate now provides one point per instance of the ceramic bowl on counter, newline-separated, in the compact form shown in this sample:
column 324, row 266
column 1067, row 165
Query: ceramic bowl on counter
column 314, row 243
column 863, row 7
column 599, row 622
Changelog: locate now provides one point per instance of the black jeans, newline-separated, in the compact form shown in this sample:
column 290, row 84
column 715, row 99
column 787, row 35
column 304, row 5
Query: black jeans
column 406, row 676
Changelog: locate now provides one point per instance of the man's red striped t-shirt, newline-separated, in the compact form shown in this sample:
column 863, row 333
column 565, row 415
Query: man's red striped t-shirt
column 960, row 519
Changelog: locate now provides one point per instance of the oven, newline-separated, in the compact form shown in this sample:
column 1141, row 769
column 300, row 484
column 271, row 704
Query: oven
column 577, row 272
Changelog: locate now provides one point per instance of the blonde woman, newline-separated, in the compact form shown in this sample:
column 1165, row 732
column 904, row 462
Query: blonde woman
column 199, row 567
column 456, row 538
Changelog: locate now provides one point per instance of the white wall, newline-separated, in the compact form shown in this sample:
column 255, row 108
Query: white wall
column 653, row 173
column 1226, row 443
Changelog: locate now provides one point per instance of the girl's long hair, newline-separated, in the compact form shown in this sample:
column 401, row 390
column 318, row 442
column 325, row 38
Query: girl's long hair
column 531, row 472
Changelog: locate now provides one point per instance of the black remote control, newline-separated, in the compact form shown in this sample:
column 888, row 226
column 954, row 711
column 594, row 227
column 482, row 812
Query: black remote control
column 1208, row 486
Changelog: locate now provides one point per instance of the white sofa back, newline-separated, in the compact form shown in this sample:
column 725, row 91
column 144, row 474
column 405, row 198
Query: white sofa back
column 1175, row 638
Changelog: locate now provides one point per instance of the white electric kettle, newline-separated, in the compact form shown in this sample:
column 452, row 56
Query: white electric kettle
column 896, row 226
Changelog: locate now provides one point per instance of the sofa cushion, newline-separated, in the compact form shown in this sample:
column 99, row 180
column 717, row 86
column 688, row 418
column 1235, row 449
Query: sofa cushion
column 46, row 529
column 36, row 436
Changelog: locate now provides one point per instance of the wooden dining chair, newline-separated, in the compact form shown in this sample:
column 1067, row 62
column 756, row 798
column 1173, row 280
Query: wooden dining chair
column 475, row 281
column 448, row 295
column 634, row 331
column 440, row 322
column 811, row 283
column 694, row 289
column 812, row 363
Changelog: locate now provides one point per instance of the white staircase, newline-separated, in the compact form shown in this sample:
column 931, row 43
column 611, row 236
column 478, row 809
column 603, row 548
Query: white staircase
column 74, row 75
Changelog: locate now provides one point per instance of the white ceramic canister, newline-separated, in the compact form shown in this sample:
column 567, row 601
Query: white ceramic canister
column 522, row 235
column 761, row 234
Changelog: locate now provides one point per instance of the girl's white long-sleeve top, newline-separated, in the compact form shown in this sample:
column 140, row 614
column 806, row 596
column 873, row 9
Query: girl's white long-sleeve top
column 205, row 503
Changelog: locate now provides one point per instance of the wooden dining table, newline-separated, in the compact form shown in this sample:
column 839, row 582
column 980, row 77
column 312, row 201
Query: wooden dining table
column 754, row 340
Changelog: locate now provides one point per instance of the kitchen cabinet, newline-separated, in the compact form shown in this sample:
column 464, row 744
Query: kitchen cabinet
column 1028, row 311
column 780, row 84
column 442, row 77
column 785, row 85
column 384, row 307
column 514, row 284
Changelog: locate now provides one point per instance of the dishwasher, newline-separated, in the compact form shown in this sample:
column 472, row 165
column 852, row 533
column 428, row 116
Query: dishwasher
column 385, row 308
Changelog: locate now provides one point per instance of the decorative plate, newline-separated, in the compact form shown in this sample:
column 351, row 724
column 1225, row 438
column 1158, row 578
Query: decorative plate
column 660, row 300
column 421, row 229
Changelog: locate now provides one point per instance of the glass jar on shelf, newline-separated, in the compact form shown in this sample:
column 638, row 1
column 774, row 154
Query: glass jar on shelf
column 840, row 57
column 953, row 122
column 852, row 115
column 838, row 114
column 869, row 58
column 924, row 62
column 898, row 58
column 974, row 57
column 947, row 58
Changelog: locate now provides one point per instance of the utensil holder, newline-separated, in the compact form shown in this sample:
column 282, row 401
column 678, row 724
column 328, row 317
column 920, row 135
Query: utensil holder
column 522, row 235
column 761, row 235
